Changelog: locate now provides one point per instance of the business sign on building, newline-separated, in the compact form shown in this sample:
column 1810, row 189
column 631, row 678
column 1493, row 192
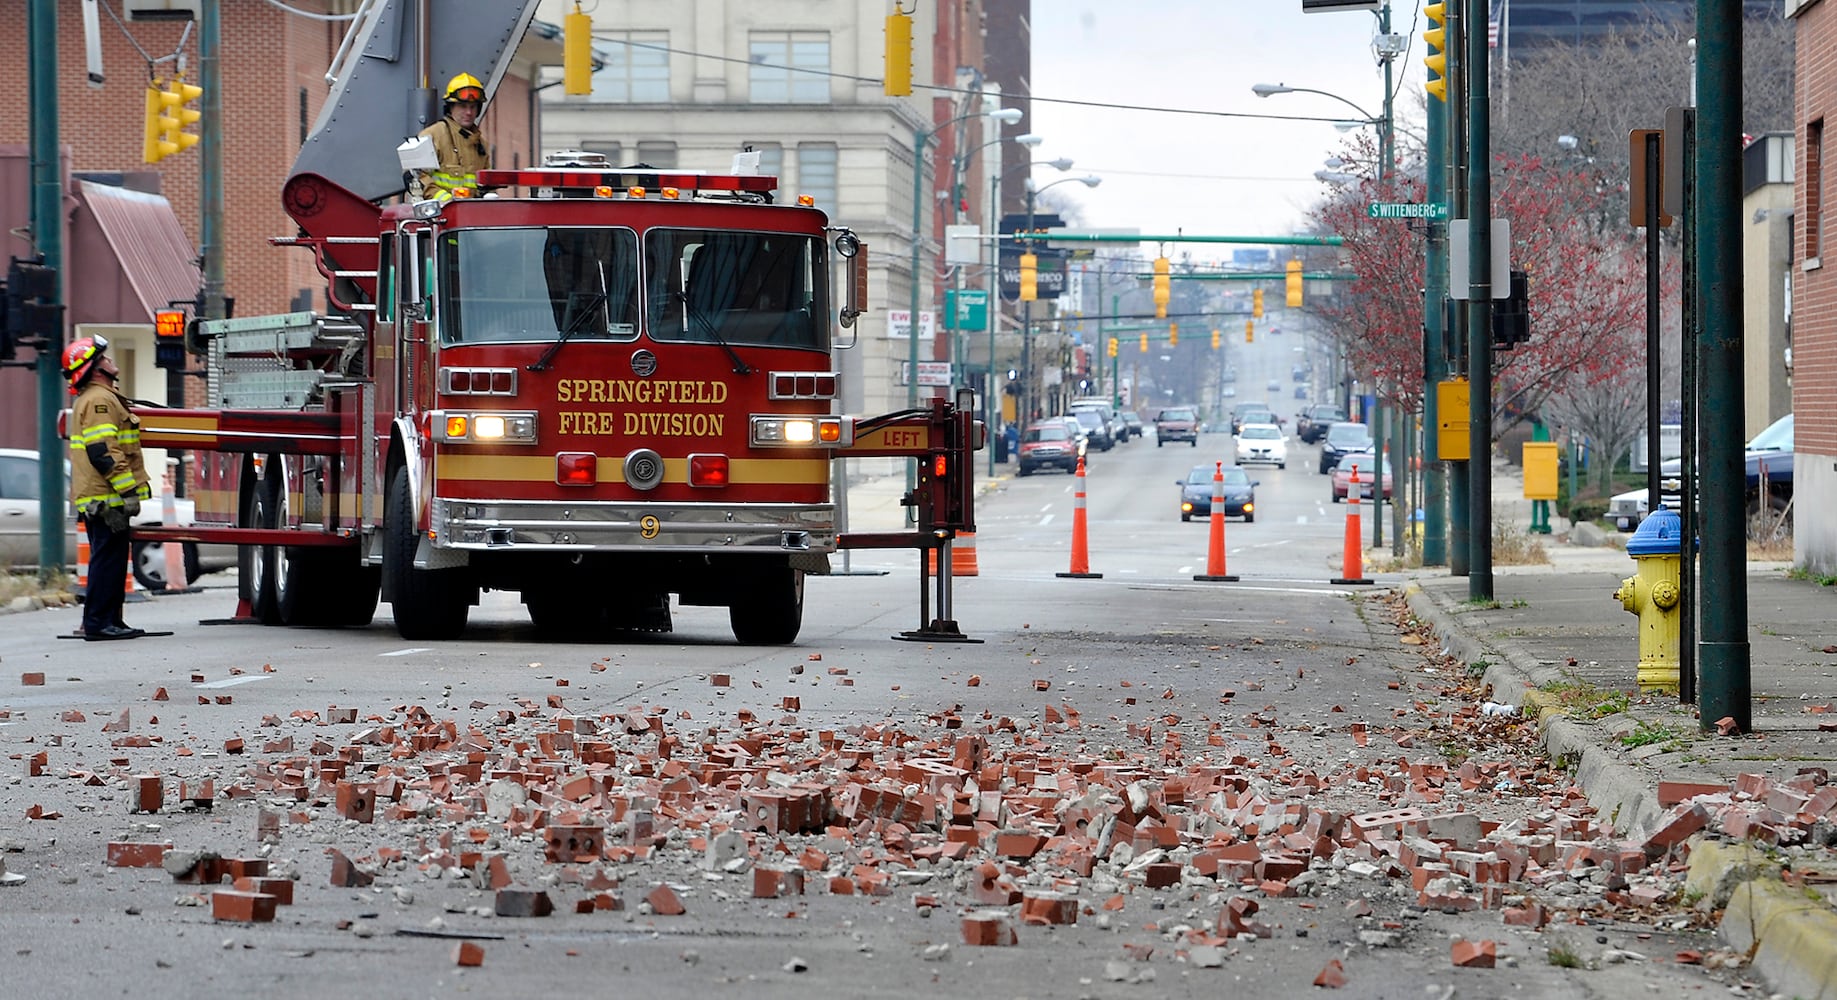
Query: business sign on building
column 935, row 373
column 899, row 324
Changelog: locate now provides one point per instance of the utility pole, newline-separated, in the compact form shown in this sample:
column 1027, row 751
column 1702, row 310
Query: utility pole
column 48, row 240
column 1434, row 359
column 1479, row 313
column 1726, row 685
column 1460, row 535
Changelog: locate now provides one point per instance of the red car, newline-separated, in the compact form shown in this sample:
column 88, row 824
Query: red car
column 1049, row 443
column 1342, row 475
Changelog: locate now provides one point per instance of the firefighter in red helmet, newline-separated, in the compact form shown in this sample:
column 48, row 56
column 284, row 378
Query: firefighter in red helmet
column 108, row 481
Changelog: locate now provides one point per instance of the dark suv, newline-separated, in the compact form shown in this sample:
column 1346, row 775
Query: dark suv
column 1315, row 419
column 1177, row 423
column 1342, row 439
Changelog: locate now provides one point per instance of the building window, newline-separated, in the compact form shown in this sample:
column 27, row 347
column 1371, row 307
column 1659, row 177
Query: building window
column 816, row 174
column 788, row 67
column 637, row 67
column 1814, row 189
column 660, row 155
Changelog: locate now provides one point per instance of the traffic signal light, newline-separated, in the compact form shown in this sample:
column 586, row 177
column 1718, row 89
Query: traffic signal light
column 1173, row 335
column 577, row 52
column 1215, row 340
column 1030, row 277
column 1113, row 347
column 169, row 339
column 1144, row 343
column 898, row 81
column 157, row 146
column 178, row 116
column 1164, row 291
column 1256, row 302
column 1250, row 331
column 1436, row 58
column 1294, row 284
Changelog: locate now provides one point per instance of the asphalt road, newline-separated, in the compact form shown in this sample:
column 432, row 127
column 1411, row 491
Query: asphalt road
column 1311, row 693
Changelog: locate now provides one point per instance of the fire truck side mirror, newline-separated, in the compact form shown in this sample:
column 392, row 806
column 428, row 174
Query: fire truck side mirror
column 412, row 258
column 854, row 290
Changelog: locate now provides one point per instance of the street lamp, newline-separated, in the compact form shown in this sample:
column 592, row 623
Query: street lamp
column 1061, row 164
column 1026, row 413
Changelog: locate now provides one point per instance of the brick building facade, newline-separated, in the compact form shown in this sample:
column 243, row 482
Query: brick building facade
column 1814, row 290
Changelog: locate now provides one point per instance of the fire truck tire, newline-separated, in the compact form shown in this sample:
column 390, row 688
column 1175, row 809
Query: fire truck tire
column 256, row 563
column 427, row 604
column 769, row 611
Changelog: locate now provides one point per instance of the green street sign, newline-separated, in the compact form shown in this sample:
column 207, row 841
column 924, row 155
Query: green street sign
column 1406, row 210
column 966, row 309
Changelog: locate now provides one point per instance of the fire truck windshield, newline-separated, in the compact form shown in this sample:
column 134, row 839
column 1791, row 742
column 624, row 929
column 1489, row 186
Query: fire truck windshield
column 735, row 288
column 538, row 285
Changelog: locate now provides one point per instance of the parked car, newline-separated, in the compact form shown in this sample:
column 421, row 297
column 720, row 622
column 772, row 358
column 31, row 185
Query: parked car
column 1048, row 444
column 19, row 520
column 1095, row 427
column 1302, row 391
column 1275, row 385
column 1769, row 454
column 1342, row 475
column 1262, row 443
column 1231, row 390
column 1315, row 419
column 1133, row 422
column 1342, row 438
column 1196, row 493
column 1627, row 510
column 1176, row 423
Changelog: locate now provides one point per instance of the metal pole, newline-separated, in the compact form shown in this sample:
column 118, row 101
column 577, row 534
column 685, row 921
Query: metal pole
column 48, row 240
column 1026, row 411
column 1689, row 438
column 1454, row 337
column 920, row 139
column 1377, row 466
column 1725, row 684
column 210, row 227
column 1654, row 170
column 991, row 404
column 1479, row 314
column 1434, row 361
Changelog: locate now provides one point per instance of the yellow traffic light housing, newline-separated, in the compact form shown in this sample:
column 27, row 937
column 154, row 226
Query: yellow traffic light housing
column 1215, row 340
column 1256, row 303
column 577, row 52
column 1144, row 343
column 1163, row 288
column 1173, row 335
column 157, row 147
column 1250, row 331
column 1294, row 284
column 179, row 116
column 1113, row 347
column 898, row 81
column 1030, row 277
column 1436, row 58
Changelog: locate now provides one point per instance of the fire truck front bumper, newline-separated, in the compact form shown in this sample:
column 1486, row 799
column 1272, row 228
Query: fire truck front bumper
column 500, row 525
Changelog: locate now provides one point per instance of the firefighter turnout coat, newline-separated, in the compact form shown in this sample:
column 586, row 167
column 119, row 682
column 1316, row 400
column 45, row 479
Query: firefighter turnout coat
column 462, row 155
column 105, row 462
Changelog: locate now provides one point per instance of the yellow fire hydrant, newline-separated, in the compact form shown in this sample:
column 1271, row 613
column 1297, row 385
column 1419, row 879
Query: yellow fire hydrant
column 1652, row 593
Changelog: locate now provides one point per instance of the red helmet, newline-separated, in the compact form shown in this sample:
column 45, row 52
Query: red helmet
column 81, row 358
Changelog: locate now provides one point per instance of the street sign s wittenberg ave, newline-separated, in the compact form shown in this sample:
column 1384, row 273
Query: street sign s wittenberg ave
column 1406, row 210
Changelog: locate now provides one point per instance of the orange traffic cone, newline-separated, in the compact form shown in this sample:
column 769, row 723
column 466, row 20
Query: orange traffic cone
column 1215, row 552
column 174, row 552
column 1352, row 559
column 1081, row 558
column 82, row 588
column 963, row 555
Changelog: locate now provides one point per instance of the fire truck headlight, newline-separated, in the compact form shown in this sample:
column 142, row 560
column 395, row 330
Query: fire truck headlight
column 426, row 209
column 514, row 428
column 800, row 431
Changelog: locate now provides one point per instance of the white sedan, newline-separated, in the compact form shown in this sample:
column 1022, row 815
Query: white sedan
column 1262, row 443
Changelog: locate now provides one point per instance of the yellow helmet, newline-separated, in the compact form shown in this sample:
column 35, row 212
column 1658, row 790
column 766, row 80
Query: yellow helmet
column 465, row 87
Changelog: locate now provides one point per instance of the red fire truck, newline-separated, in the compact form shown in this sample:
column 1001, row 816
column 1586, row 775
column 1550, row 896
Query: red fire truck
column 590, row 385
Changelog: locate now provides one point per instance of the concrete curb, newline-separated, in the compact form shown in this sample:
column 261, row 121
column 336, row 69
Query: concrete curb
column 1791, row 938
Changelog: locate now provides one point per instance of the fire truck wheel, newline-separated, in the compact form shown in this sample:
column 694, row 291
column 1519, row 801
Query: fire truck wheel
column 427, row 604
column 255, row 563
column 769, row 608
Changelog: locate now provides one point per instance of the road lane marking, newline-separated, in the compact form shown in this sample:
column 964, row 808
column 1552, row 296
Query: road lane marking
column 233, row 681
column 406, row 652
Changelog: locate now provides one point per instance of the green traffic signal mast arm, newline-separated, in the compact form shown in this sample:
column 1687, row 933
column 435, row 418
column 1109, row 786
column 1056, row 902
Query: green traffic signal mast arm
column 1251, row 275
column 1051, row 236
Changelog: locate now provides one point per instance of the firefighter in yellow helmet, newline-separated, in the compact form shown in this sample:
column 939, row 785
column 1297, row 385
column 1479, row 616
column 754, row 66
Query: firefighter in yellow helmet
column 108, row 481
column 457, row 140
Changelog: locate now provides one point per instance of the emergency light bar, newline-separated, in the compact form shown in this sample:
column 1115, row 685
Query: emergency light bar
column 617, row 181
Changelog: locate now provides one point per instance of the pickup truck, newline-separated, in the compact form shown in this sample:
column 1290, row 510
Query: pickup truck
column 1768, row 459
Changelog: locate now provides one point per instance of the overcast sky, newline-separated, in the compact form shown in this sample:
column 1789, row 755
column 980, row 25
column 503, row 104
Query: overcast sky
column 1205, row 173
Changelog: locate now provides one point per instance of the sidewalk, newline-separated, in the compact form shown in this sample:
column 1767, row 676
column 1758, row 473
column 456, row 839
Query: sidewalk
column 1556, row 642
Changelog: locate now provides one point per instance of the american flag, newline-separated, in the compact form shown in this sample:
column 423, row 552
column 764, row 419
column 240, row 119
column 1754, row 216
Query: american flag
column 1492, row 23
